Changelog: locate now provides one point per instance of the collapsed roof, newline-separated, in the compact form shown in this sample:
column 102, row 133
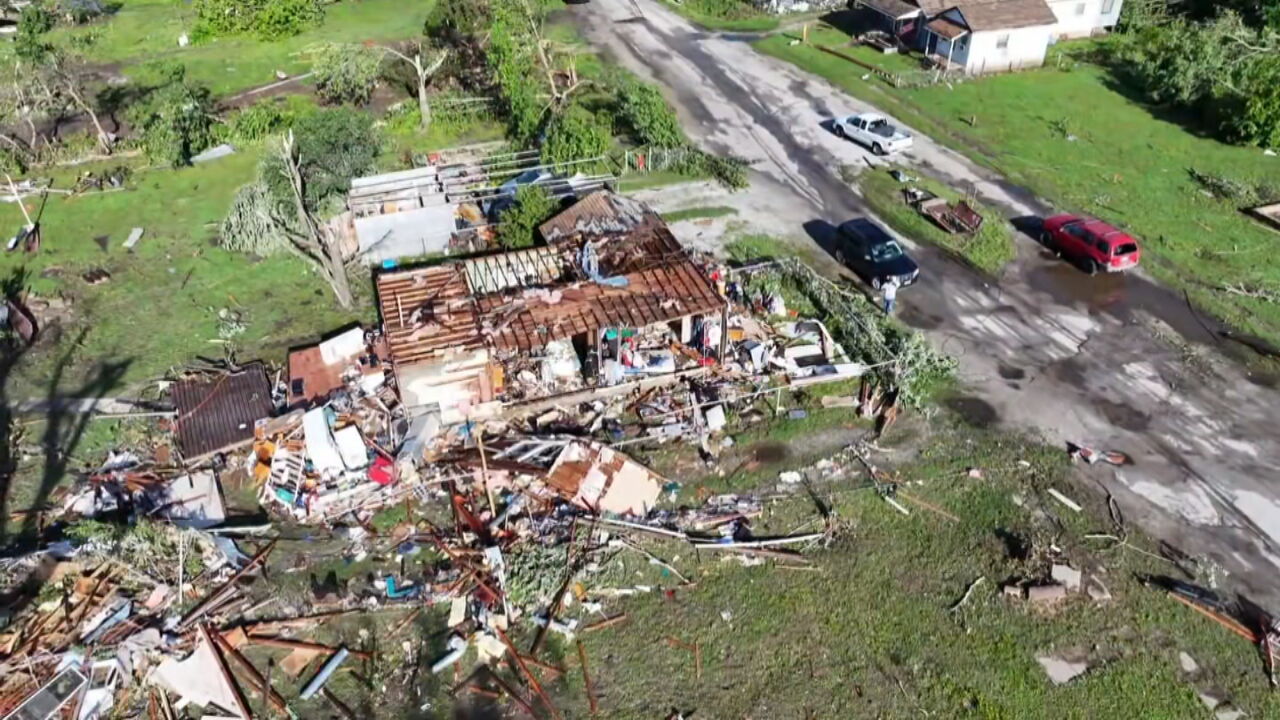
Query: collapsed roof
column 612, row 263
column 600, row 213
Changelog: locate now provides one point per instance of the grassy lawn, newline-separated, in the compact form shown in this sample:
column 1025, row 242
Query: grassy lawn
column 870, row 633
column 147, row 30
column 1072, row 136
column 988, row 250
column 159, row 309
column 699, row 213
column 821, row 35
column 726, row 15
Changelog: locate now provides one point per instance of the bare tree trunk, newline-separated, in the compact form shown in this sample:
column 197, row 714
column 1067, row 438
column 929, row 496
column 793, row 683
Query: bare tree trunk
column 35, row 135
column 337, row 270
column 424, row 101
column 104, row 139
column 424, row 72
column 317, row 243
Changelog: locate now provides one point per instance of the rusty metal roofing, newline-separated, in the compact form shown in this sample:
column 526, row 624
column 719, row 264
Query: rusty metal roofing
column 659, row 294
column 600, row 213
column 218, row 413
column 426, row 312
column 541, row 294
column 425, row 315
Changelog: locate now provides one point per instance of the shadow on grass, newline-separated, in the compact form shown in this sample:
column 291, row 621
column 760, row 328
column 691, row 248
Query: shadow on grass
column 64, row 426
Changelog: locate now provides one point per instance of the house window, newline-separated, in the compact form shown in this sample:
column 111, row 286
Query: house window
column 1002, row 42
column 1108, row 6
column 1081, row 8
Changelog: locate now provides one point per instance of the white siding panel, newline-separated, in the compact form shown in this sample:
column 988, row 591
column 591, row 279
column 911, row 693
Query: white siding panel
column 1025, row 48
column 1071, row 23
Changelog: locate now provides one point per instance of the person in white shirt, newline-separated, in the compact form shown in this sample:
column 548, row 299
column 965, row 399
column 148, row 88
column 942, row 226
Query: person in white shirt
column 890, row 289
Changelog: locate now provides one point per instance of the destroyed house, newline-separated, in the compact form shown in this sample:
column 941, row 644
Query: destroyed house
column 612, row 295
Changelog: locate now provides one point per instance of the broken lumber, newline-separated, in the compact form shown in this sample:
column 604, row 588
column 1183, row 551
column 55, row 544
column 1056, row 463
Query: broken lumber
column 586, row 679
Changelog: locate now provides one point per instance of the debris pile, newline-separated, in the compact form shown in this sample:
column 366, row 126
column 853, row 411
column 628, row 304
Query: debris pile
column 497, row 404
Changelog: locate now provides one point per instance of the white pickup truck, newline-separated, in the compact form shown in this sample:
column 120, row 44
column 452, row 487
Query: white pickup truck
column 874, row 131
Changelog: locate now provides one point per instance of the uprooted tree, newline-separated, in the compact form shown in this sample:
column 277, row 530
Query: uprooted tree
column 70, row 77
column 174, row 120
column 298, row 186
column 310, row 238
column 27, row 103
column 536, row 77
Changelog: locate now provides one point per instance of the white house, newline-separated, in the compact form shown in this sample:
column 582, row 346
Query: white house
column 1082, row 18
column 988, row 36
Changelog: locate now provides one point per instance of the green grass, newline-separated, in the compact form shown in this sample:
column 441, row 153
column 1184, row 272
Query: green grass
column 699, row 213
column 758, row 247
column 147, row 30
column 726, row 15
column 870, row 635
column 1127, row 164
column 821, row 35
column 404, row 138
column 988, row 250
column 159, row 309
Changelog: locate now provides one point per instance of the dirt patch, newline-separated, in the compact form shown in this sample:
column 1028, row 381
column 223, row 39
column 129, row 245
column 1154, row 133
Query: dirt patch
column 974, row 411
column 1123, row 416
column 770, row 452
column 1009, row 372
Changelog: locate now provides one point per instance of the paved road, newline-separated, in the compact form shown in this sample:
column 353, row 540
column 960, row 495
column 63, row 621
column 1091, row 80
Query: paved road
column 1096, row 361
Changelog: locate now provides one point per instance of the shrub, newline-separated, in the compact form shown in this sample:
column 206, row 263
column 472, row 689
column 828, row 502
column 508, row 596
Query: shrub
column 648, row 116
column 1251, row 113
column 533, row 206
column 35, row 19
column 33, row 23
column 455, row 19
column 286, row 18
column 250, row 227
column 175, row 122
column 575, row 134
column 269, row 19
column 728, row 171
column 345, row 74
column 335, row 144
column 256, row 122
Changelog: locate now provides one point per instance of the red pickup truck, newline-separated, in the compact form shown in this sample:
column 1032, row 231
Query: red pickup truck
column 1093, row 244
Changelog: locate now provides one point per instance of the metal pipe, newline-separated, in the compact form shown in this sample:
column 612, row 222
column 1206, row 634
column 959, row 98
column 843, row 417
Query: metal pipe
column 322, row 677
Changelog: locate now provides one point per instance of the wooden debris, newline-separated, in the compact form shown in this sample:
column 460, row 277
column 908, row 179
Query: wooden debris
column 606, row 623
column 586, row 680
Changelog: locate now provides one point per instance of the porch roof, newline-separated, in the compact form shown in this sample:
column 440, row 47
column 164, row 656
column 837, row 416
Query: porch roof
column 893, row 9
column 946, row 28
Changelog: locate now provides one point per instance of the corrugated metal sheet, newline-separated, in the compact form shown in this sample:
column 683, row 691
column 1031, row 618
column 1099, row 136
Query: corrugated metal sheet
column 600, row 213
column 660, row 294
column 426, row 312
column 218, row 413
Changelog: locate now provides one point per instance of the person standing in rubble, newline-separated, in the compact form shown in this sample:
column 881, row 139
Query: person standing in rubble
column 890, row 290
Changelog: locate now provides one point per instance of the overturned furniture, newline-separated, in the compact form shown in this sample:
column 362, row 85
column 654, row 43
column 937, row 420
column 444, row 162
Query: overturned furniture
column 957, row 218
